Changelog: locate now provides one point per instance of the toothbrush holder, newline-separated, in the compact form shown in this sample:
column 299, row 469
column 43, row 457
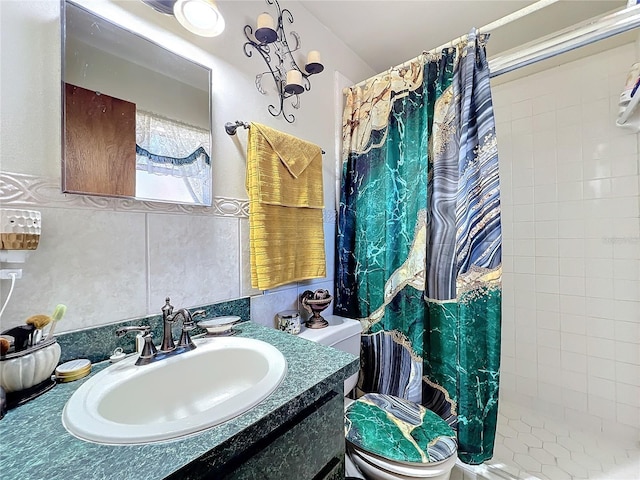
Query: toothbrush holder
column 27, row 368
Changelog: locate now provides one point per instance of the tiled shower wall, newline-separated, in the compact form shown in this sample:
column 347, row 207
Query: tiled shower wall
column 570, row 197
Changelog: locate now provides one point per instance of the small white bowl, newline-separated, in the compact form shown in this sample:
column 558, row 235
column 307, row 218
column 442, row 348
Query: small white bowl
column 219, row 325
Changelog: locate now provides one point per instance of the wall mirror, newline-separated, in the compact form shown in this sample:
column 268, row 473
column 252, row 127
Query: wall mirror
column 136, row 117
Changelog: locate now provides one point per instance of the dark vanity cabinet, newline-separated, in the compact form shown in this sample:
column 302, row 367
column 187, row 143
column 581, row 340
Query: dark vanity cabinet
column 309, row 446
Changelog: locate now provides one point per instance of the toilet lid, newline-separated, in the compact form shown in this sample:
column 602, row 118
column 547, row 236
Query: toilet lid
column 398, row 430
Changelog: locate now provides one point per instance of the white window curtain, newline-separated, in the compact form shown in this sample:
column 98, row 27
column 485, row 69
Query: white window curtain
column 169, row 147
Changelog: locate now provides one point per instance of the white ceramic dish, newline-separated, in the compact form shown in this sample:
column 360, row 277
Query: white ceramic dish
column 219, row 325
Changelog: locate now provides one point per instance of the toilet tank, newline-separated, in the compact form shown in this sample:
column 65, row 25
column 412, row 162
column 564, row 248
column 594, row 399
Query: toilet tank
column 342, row 334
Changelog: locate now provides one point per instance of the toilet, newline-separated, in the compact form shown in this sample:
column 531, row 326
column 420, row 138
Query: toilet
column 375, row 416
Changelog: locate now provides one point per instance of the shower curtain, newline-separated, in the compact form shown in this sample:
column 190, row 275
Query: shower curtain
column 419, row 242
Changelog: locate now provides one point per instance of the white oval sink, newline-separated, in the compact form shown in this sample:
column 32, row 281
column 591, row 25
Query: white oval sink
column 126, row 404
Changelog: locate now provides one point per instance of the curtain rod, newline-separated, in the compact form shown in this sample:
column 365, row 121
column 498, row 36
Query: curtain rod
column 555, row 44
column 523, row 12
column 232, row 127
column 566, row 40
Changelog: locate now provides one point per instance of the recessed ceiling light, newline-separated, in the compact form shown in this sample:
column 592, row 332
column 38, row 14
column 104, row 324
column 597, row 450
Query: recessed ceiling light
column 201, row 17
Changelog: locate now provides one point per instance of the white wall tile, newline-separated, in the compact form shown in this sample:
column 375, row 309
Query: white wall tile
column 577, row 181
column 602, row 388
column 628, row 373
column 598, row 267
column 627, row 352
column 523, row 213
column 521, row 109
column 600, row 367
column 546, row 192
column 572, row 304
column 599, row 287
column 600, row 328
column 577, row 400
column 546, row 247
column 264, row 307
column 601, row 347
column 628, row 415
column 627, row 332
column 571, row 267
column 571, row 247
column 627, row 311
column 574, row 362
column 185, row 261
column 548, row 302
column 627, row 394
column 600, row 307
column 93, row 261
column 624, row 186
column 568, row 190
column 571, row 115
column 571, row 342
column 547, row 320
column 573, row 324
column 574, row 381
column 550, row 357
column 547, row 284
column 547, row 265
column 626, row 290
column 602, row 407
column 549, row 338
column 625, row 166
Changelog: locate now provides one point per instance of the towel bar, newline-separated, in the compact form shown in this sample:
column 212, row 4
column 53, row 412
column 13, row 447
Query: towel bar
column 232, row 127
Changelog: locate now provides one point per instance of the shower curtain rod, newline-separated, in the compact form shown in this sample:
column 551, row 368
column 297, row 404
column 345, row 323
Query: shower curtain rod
column 547, row 47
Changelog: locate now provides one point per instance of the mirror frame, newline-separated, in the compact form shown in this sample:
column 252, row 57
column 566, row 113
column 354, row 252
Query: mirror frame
column 63, row 33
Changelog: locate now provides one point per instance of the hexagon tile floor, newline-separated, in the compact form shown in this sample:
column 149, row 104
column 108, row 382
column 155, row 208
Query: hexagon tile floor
column 531, row 447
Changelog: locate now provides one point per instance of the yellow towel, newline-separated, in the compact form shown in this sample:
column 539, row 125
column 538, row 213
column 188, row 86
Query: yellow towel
column 284, row 182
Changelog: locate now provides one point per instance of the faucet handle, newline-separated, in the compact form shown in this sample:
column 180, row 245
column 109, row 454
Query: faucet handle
column 145, row 330
column 185, row 338
column 199, row 313
column 149, row 350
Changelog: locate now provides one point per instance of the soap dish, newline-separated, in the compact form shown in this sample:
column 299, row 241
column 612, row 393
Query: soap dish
column 220, row 326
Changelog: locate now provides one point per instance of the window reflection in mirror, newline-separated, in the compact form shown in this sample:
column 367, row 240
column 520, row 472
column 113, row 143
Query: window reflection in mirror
column 136, row 117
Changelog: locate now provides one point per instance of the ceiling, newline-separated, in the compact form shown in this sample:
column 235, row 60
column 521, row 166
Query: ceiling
column 385, row 33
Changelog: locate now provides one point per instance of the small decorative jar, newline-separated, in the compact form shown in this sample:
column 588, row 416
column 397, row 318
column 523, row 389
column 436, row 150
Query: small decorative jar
column 288, row 321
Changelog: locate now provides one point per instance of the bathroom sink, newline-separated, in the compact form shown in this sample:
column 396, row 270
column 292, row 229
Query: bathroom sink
column 126, row 404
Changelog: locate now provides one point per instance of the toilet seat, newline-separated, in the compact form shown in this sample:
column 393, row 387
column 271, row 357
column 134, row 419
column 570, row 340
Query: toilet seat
column 382, row 469
column 418, row 436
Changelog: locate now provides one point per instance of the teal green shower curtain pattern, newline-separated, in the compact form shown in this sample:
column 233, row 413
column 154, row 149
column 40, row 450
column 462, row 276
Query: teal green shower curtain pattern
column 419, row 241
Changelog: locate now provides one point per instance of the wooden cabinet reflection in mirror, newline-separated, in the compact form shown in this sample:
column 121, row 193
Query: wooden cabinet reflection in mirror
column 100, row 144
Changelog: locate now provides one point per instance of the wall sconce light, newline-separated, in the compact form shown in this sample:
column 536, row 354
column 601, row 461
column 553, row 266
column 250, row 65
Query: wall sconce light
column 270, row 41
column 201, row 17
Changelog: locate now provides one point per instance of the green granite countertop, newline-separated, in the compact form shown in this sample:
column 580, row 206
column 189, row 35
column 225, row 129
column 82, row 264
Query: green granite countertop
column 34, row 444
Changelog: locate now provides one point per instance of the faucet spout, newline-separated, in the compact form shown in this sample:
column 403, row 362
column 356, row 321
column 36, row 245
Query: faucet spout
column 187, row 325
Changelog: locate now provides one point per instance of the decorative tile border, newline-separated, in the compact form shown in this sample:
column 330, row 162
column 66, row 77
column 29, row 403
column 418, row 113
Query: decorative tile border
column 19, row 190
column 98, row 343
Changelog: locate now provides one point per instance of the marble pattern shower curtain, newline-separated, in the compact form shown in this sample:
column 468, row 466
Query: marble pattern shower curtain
column 419, row 243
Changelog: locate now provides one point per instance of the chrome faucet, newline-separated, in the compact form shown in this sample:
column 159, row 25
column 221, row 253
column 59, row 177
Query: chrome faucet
column 168, row 348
